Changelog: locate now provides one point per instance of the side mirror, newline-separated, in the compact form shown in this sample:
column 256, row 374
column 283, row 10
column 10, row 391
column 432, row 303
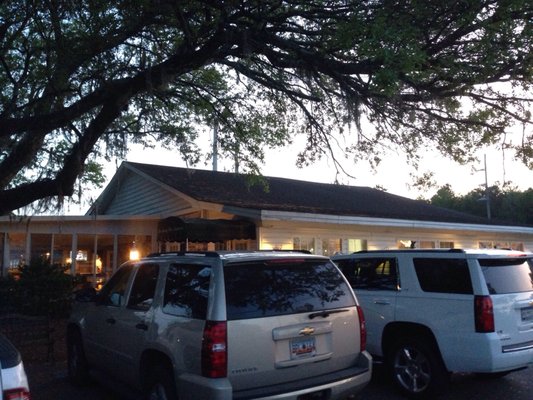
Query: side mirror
column 85, row 295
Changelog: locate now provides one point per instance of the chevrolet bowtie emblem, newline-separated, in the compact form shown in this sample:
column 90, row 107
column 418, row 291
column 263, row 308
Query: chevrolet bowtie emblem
column 307, row 331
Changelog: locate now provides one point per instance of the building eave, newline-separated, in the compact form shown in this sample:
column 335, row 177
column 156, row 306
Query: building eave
column 267, row 215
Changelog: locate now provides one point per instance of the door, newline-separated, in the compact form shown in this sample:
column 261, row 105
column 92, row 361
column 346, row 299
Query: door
column 100, row 317
column 376, row 283
column 131, row 326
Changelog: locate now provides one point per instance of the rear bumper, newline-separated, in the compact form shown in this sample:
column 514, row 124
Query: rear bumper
column 488, row 354
column 345, row 383
column 336, row 385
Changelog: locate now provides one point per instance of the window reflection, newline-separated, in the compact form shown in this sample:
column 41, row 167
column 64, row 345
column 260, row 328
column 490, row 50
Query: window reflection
column 256, row 290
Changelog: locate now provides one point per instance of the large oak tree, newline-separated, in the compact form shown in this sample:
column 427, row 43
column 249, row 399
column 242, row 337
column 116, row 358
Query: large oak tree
column 82, row 79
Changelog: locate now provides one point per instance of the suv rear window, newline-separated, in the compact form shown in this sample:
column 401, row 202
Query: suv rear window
column 279, row 287
column 507, row 275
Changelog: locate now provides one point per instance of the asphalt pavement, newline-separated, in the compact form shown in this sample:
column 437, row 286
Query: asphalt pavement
column 48, row 382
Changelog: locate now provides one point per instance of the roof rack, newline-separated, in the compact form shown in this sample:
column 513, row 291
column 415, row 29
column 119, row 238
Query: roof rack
column 219, row 253
column 410, row 251
column 184, row 253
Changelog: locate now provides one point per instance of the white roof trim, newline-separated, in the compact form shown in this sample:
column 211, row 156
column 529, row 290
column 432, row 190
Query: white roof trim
column 267, row 215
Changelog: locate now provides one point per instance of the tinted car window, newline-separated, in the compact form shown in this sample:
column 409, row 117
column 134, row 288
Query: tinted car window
column 112, row 294
column 370, row 273
column 443, row 275
column 187, row 290
column 509, row 275
column 143, row 288
column 268, row 288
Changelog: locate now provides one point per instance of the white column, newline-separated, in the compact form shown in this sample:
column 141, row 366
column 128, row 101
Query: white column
column 5, row 258
column 73, row 253
column 115, row 252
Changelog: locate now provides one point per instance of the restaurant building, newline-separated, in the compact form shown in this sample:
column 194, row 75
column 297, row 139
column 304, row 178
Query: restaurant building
column 150, row 208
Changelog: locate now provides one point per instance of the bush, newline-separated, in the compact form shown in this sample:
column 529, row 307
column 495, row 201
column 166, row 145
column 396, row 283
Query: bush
column 8, row 294
column 43, row 289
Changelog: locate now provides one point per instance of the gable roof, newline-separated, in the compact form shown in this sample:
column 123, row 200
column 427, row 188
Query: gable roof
column 280, row 194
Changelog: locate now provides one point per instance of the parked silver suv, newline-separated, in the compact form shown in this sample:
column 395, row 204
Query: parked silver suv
column 431, row 312
column 224, row 325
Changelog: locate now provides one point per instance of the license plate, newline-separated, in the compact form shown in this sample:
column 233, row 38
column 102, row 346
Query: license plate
column 527, row 313
column 303, row 347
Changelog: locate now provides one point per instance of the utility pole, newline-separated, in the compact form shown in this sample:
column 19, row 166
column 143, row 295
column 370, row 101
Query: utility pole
column 487, row 193
column 215, row 145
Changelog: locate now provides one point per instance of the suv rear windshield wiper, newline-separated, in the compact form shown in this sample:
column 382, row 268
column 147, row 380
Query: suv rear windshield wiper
column 325, row 313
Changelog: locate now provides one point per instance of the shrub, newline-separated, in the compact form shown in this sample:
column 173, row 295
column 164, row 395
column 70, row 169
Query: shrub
column 44, row 289
column 9, row 294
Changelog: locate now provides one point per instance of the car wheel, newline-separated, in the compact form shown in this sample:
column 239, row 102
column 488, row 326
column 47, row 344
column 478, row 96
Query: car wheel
column 417, row 369
column 161, row 385
column 77, row 366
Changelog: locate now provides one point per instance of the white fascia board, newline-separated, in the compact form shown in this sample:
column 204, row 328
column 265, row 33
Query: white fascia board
column 267, row 215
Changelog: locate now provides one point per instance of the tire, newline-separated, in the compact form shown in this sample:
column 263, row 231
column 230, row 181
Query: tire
column 416, row 368
column 77, row 366
column 161, row 385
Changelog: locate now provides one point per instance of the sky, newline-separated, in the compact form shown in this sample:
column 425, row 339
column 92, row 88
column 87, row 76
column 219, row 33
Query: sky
column 393, row 174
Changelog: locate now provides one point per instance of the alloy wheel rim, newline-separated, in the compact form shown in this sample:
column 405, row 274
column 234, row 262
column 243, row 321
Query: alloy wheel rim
column 412, row 369
column 158, row 392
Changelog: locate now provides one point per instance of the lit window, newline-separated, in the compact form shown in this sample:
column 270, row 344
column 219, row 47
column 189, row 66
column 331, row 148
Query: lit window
column 357, row 245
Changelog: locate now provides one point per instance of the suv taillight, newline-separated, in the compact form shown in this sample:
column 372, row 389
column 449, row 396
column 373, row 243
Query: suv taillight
column 17, row 394
column 483, row 313
column 362, row 327
column 214, row 350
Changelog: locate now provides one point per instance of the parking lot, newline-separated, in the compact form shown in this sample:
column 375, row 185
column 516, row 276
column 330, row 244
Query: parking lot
column 48, row 381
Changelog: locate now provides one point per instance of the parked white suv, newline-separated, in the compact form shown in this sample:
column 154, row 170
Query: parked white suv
column 431, row 312
column 13, row 379
column 228, row 325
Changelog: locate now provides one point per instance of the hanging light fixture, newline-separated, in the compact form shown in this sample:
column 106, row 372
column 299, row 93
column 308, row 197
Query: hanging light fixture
column 134, row 253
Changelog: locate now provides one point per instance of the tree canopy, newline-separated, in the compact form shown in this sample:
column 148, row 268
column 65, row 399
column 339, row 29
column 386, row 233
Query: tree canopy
column 506, row 204
column 83, row 79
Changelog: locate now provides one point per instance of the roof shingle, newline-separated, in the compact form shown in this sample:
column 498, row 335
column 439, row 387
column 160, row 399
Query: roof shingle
column 280, row 194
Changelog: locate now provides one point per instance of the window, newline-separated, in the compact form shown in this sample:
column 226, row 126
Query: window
column 502, row 245
column 508, row 275
column 370, row 273
column 240, row 245
column 17, row 248
column 406, row 244
column 264, row 289
column 303, row 244
column 331, row 247
column 82, row 255
column 113, row 292
column 143, row 289
column 41, row 246
column 443, row 275
column 187, row 290
column 446, row 245
column 357, row 245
